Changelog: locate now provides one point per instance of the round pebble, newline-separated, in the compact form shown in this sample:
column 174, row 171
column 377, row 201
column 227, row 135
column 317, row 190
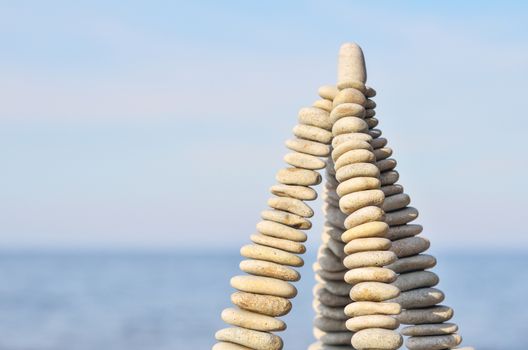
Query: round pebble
column 350, row 146
column 367, row 244
column 315, row 117
column 291, row 205
column 253, row 339
column 252, row 320
column 376, row 338
column 347, row 125
column 372, row 321
column 305, row 161
column 357, row 184
column 263, row 304
column 373, row 291
column 299, row 177
column 312, row 133
column 357, row 170
column 361, row 308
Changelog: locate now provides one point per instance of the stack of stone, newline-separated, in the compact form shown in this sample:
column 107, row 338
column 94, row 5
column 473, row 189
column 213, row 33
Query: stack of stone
column 263, row 293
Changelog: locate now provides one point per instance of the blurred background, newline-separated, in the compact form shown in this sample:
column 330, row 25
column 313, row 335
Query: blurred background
column 138, row 141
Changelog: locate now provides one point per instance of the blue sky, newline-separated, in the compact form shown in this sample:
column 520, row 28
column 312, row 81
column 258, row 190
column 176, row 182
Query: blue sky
column 161, row 124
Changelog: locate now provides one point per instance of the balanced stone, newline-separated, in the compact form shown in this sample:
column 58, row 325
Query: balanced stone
column 430, row 329
column 329, row 299
column 315, row 117
column 373, row 291
column 349, row 96
column 264, row 285
column 283, row 244
column 372, row 258
column 328, row 92
column 372, row 321
column 389, row 177
column 329, row 325
column 366, row 230
column 382, row 153
column 291, row 205
column 370, row 92
column 361, row 308
column 332, row 338
column 255, row 251
column 334, row 216
column 274, row 229
column 391, row 190
column 308, row 147
column 357, row 200
column 337, row 247
column 320, row 346
column 336, row 313
column 357, row 170
column 252, row 320
column 401, row 216
column 329, row 261
column 347, row 110
column 355, row 156
column 283, row 217
column 323, row 104
column 253, row 339
column 263, row 304
column 371, row 122
column 312, row 133
column 413, row 263
column 305, row 161
column 435, row 314
column 269, row 269
column 297, row 176
column 410, row 246
column 350, row 146
column 379, row 142
column 375, row 133
column 404, row 231
column 356, row 136
column 349, row 124
column 370, row 104
column 356, row 184
column 329, row 275
column 339, row 288
column 364, row 215
column 366, row 244
column 435, row 342
column 419, row 298
column 298, row 192
column 229, row 346
column 333, row 231
column 417, row 279
column 372, row 274
column 376, row 338
column 396, row 202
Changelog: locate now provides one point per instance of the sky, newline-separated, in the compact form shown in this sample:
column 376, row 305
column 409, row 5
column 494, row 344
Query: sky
column 161, row 124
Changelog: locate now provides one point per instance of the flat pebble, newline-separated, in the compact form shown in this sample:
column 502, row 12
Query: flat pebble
column 375, row 133
column 410, row 246
column 347, row 110
column 350, row 146
column 391, row 190
column 349, row 96
column 355, row 156
column 417, row 279
column 336, row 313
column 329, row 275
column 252, row 320
column 339, row 288
column 370, row 274
column 386, row 164
column 404, row 231
column 402, row 216
column 329, row 325
column 337, row 247
column 357, row 170
column 413, row 263
column 333, row 231
column 308, row 147
column 289, row 219
column 274, row 229
column 435, row 314
column 324, row 104
column 435, row 342
column 260, row 252
column 379, row 142
column 297, row 192
column 298, row 177
column 263, row 304
column 312, row 133
column 329, row 261
column 253, row 339
column 373, row 291
column 366, row 244
column 264, row 285
column 364, row 215
column 356, row 184
column 372, row 321
column 371, row 122
column 395, row 202
column 320, row 346
column 305, row 161
column 419, row 298
column 389, row 177
column 347, row 125
column 357, row 200
column 430, row 329
column 329, row 299
column 357, row 136
column 332, row 338
column 334, row 216
column 229, row 346
column 269, row 269
column 291, row 205
column 315, row 117
column 328, row 92
column 368, row 229
column 360, row 308
column 283, row 244
column 383, row 152
column 377, row 338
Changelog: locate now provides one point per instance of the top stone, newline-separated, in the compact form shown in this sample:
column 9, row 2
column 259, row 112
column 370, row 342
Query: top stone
column 351, row 66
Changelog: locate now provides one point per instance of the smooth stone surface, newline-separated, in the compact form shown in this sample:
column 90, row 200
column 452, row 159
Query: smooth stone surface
column 355, row 156
column 334, row 232
column 312, row 133
column 327, row 92
column 332, row 338
column 305, row 161
column 285, row 218
column 435, row 314
column 347, row 125
column 364, row 215
column 366, row 244
column 435, row 342
column 334, row 216
column 357, row 170
column 329, row 275
column 228, row 346
column 321, row 346
column 360, row 308
column 337, row 247
column 370, row 92
column 339, row 288
column 373, row 291
column 298, row 177
column 269, row 269
column 383, row 152
column 350, row 146
column 264, row 285
column 349, row 95
column 377, row 339
column 324, row 104
column 315, row 117
column 263, row 304
column 410, row 246
column 389, row 177
column 297, row 192
column 357, row 184
column 379, row 143
column 375, row 133
column 419, row 298
column 292, row 205
column 372, row 321
column 386, row 164
column 413, row 263
column 309, row 147
column 404, row 231
column 372, row 274
column 369, row 113
column 371, row 122
column 274, row 229
column 402, row 216
column 351, row 64
column 252, row 320
column 357, row 200
column 329, row 261
column 391, row 190
column 253, row 339
column 336, row 313
column 357, row 136
column 329, row 325
column 347, row 110
column 417, row 279
column 370, row 104
column 329, row 299
column 259, row 252
column 430, row 329
column 395, row 202
column 283, row 244
column 366, row 230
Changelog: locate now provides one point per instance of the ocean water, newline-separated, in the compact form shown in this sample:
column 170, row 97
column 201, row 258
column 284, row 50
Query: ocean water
column 161, row 301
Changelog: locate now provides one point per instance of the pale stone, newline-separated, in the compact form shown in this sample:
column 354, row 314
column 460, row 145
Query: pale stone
column 297, row 192
column 300, row 177
column 417, row 279
column 315, row 117
column 339, row 288
column 372, row 321
column 329, row 275
column 283, row 244
column 370, row 120
column 370, row 274
column 402, row 216
column 366, row 244
column 410, row 246
column 252, row 320
column 351, row 145
column 305, row 161
column 336, row 313
column 312, row 133
column 357, row 170
column 363, row 216
column 329, row 325
column 368, row 229
column 349, row 95
column 404, row 231
column 377, row 339
column 334, row 216
column 229, row 346
column 347, row 125
column 263, row 304
column 324, row 104
column 253, row 339
column 379, row 143
column 357, row 184
column 308, row 147
column 435, row 314
column 269, row 269
column 389, row 177
column 329, row 299
column 373, row 291
column 274, row 229
column 419, row 298
column 320, row 346
column 264, row 285
column 351, row 66
column 347, row 110
column 386, row 164
column 285, row 218
column 435, row 342
column 328, row 92
column 332, row 338
column 292, row 205
column 329, row 261
column 357, row 136
column 395, row 202
column 355, row 156
column 259, row 252
column 413, row 263
column 360, row 308
column 372, row 258
column 357, row 200
column 383, row 152
column 391, row 190
column 430, row 329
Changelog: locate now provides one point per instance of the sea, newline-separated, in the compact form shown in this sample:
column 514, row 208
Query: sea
column 172, row 300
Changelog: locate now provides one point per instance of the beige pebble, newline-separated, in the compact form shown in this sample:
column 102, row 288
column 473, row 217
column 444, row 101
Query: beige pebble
column 329, row 325
column 410, row 246
column 377, row 339
column 389, row 177
column 269, row 269
column 435, row 342
column 274, row 242
column 315, row 117
column 355, row 156
column 259, row 252
column 329, row 261
column 336, row 313
column 274, row 229
column 373, row 291
column 402, row 216
column 363, row 216
column 379, row 142
column 304, row 161
column 329, row 299
column 300, row 177
column 413, row 263
column 386, row 164
column 370, row 274
column 324, row 104
column 435, row 314
column 339, row 288
column 351, row 145
column 263, row 304
column 229, row 346
column 354, row 84
column 286, row 218
column 357, row 170
column 391, row 190
column 404, row 231
column 357, row 184
column 419, row 298
column 360, row 308
column 351, row 64
column 292, row 205
column 372, row 258
column 264, row 285
column 372, row 321
column 312, row 133
column 252, row 320
column 347, row 125
column 253, row 339
column 297, row 192
column 366, row 230
column 383, row 152
column 347, row 110
column 334, row 216
column 366, row 244
column 430, row 329
column 328, row 92
column 371, row 121
column 375, row 133
column 332, row 338
column 329, row 275
column 309, row 147
column 357, row 136
column 349, row 95
column 417, row 279
column 357, row 200
column 395, row 202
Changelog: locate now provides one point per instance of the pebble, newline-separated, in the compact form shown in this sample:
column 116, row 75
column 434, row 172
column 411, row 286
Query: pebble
column 395, row 202
column 329, row 261
column 337, row 247
column 404, row 231
column 386, row 164
column 371, row 274
column 308, row 147
column 417, row 279
column 334, row 216
column 430, row 329
column 355, row 156
column 370, row 104
column 329, row 275
column 305, row 161
column 410, row 246
column 286, row 218
column 435, row 314
column 351, row 66
column 413, row 263
column 228, row 346
column 297, row 176
column 329, row 299
column 357, row 200
column 334, row 232
column 253, row 339
column 372, row 321
column 349, row 95
column 377, row 338
column 357, row 170
column 383, row 152
column 357, row 184
column 358, row 136
column 375, row 133
column 297, row 192
column 347, row 110
column 389, row 177
column 328, row 92
column 360, row 308
column 339, row 288
column 372, row 258
column 370, row 92
column 320, row 346
column 252, row 320
column 369, row 113
column 329, row 325
column 350, row 146
column 370, row 120
column 292, row 205
column 315, row 117
column 419, row 298
column 368, row 229
column 366, row 244
column 391, row 190
column 373, row 291
column 379, row 143
column 255, row 251
column 332, row 338
column 274, row 229
column 264, row 285
column 312, row 133
column 336, row 313
column 269, row 269
column 401, row 217
column 283, row 244
column 347, row 125
column 324, row 104
column 363, row 216
column 435, row 342
column 263, row 304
